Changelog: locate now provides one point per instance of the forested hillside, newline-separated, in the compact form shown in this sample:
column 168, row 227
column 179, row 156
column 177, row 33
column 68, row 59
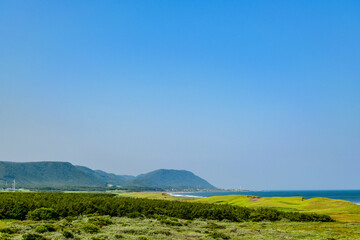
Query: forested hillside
column 107, row 178
column 170, row 178
column 64, row 174
column 45, row 174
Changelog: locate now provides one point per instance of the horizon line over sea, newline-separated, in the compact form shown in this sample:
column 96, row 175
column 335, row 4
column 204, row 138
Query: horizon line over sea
column 347, row 195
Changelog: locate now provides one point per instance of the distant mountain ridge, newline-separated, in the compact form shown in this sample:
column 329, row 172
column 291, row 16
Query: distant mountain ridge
column 104, row 177
column 170, row 178
column 46, row 174
column 64, row 174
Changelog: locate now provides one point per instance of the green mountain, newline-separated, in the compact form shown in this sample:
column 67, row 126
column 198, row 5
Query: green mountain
column 169, row 178
column 108, row 178
column 64, row 174
column 45, row 174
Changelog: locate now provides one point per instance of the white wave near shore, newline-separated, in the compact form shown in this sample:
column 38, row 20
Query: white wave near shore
column 183, row 196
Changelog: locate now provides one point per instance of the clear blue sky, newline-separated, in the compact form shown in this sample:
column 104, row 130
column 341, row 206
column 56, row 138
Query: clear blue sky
column 251, row 94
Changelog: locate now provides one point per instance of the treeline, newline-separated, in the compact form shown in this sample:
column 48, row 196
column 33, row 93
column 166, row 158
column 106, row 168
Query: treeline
column 22, row 205
column 110, row 188
column 91, row 189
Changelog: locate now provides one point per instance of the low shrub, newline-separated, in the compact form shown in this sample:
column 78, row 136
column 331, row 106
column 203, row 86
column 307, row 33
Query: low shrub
column 9, row 230
column 215, row 226
column 67, row 234
column 100, row 221
column 142, row 238
column 134, row 231
column 31, row 236
column 163, row 232
column 70, row 218
column 170, row 223
column 219, row 235
column 45, row 228
column 90, row 228
column 135, row 215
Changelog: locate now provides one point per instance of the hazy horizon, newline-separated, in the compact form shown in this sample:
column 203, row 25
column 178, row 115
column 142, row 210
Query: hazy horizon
column 253, row 95
column 198, row 176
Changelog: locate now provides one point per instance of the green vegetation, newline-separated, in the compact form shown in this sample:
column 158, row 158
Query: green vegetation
column 100, row 221
column 45, row 228
column 170, row 179
column 108, row 216
column 107, row 178
column 31, row 236
column 47, row 206
column 153, row 228
column 67, row 234
column 45, row 174
column 152, row 195
column 63, row 176
column 338, row 209
column 90, row 228
column 42, row 214
column 75, row 189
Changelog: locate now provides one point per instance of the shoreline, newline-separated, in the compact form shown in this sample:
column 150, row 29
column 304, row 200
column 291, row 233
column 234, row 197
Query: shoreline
column 305, row 194
column 182, row 196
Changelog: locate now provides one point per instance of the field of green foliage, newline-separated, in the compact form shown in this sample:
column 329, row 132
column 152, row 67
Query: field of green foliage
column 138, row 227
column 45, row 206
column 339, row 210
column 39, row 216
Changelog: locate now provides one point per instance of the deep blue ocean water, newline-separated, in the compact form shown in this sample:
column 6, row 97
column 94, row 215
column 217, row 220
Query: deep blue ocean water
column 348, row 195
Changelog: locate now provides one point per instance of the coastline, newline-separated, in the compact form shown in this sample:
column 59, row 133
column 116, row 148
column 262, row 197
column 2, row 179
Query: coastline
column 347, row 195
column 175, row 195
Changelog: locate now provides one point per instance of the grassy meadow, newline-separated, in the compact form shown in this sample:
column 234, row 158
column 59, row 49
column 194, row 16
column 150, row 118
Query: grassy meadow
column 83, row 227
column 161, row 216
column 339, row 210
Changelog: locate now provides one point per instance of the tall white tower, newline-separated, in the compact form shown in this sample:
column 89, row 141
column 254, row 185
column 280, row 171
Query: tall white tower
column 13, row 186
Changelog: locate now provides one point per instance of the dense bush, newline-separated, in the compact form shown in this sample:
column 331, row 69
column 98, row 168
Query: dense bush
column 43, row 214
column 134, row 215
column 47, row 206
column 19, row 211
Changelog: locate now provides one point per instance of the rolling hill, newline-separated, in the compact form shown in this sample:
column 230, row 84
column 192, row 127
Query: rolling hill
column 46, row 174
column 170, row 178
column 338, row 209
column 64, row 174
column 107, row 178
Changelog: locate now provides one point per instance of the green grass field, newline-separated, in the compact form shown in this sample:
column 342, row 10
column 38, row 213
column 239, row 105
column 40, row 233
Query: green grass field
column 145, row 228
column 137, row 226
column 151, row 195
column 338, row 209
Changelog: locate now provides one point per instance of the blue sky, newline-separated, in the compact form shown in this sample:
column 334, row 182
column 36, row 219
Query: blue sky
column 250, row 94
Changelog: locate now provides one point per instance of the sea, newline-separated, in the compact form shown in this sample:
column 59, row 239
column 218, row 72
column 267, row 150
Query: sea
column 348, row 195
